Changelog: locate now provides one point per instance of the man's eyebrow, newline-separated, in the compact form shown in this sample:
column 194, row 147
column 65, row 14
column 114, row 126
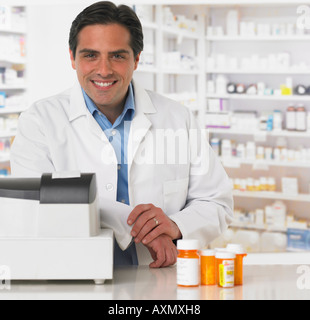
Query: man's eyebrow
column 88, row 51
column 121, row 51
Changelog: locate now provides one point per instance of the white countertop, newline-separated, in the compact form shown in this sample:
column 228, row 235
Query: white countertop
column 261, row 282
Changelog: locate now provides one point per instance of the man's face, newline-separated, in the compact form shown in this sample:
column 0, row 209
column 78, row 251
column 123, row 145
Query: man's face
column 105, row 64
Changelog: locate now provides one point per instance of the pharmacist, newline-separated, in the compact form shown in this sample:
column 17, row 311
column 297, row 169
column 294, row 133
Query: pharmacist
column 146, row 150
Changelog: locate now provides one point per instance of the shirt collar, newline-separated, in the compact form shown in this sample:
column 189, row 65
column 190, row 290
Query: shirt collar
column 129, row 105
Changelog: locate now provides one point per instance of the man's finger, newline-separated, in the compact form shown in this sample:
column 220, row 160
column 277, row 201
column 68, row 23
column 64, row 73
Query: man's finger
column 137, row 211
column 160, row 259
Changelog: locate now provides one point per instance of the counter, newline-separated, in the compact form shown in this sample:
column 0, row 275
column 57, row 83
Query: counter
column 270, row 282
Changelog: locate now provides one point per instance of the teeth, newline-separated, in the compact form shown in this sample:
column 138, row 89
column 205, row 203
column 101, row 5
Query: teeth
column 103, row 85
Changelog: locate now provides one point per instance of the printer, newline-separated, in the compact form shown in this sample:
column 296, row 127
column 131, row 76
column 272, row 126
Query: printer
column 50, row 229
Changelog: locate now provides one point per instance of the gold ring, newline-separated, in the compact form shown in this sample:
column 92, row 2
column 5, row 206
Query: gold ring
column 156, row 221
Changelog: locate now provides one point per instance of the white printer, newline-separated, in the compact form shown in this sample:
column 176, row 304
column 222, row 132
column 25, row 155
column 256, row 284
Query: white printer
column 50, row 229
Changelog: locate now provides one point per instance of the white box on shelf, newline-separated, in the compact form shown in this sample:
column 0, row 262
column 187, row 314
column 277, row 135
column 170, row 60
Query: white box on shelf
column 290, row 186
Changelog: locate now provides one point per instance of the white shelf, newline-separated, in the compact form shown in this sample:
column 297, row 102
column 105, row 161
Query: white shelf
column 236, row 163
column 176, row 32
column 257, row 38
column 261, row 134
column 272, row 195
column 180, row 71
column 256, row 71
column 12, row 87
column 4, row 157
column 13, row 31
column 257, row 97
column 13, row 60
column 281, row 258
column 147, row 69
column 12, row 109
column 149, row 25
column 8, row 134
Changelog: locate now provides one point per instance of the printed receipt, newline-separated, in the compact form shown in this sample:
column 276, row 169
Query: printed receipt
column 114, row 215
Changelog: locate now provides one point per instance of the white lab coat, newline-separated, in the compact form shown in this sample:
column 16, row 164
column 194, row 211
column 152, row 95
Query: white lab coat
column 60, row 134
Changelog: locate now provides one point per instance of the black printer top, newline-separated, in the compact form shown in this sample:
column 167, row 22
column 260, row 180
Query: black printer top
column 47, row 190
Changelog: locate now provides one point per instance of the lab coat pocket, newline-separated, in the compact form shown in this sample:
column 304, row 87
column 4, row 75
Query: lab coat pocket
column 175, row 194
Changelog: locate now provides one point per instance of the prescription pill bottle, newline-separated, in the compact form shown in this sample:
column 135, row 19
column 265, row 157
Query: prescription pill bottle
column 225, row 269
column 240, row 254
column 207, row 265
column 188, row 263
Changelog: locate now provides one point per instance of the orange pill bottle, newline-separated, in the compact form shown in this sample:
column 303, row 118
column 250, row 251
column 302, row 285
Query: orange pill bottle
column 207, row 267
column 240, row 255
column 188, row 263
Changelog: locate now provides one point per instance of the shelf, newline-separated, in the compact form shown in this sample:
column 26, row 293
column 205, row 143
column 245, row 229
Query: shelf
column 180, row 33
column 263, row 228
column 271, row 195
column 4, row 157
column 263, row 164
column 270, row 71
column 13, row 87
column 12, row 109
column 282, row 258
column 261, row 134
column 149, row 25
column 257, row 38
column 13, row 31
column 147, row 69
column 14, row 60
column 257, row 97
column 8, row 134
column 181, row 71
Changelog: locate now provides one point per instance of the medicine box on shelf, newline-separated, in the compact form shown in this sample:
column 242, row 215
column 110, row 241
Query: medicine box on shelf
column 298, row 239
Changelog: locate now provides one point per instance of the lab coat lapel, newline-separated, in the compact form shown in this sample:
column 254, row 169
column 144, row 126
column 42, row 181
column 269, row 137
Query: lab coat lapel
column 78, row 109
column 140, row 124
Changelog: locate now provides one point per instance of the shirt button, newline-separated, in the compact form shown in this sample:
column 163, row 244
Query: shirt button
column 109, row 187
column 119, row 167
column 113, row 132
column 123, row 201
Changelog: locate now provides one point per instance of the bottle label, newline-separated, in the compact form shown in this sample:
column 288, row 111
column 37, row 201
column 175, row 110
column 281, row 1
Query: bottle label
column 227, row 274
column 188, row 272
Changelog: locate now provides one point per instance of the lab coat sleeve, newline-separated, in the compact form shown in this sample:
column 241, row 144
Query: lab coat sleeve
column 30, row 155
column 209, row 206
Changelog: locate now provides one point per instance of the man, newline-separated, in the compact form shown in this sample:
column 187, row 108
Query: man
column 109, row 125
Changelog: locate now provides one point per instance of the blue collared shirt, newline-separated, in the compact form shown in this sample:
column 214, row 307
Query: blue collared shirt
column 118, row 134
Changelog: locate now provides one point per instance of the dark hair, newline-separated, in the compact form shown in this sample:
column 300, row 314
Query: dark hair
column 105, row 12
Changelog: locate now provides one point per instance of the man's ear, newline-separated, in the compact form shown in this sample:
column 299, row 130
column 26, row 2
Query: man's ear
column 72, row 59
column 137, row 59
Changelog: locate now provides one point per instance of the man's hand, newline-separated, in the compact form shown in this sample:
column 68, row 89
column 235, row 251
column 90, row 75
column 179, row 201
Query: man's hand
column 163, row 251
column 150, row 222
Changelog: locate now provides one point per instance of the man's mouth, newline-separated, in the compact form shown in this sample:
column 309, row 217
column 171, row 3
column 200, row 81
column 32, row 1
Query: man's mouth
column 103, row 84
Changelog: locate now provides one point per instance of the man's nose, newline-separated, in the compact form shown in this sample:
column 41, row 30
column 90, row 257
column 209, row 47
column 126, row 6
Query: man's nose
column 104, row 68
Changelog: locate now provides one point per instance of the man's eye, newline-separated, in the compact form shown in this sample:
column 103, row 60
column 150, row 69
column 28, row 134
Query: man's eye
column 118, row 57
column 90, row 56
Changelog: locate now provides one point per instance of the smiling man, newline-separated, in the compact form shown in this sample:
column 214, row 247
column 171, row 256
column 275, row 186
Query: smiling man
column 106, row 124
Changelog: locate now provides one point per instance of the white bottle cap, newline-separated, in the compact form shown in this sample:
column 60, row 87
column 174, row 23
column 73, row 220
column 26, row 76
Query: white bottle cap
column 207, row 253
column 225, row 255
column 236, row 248
column 188, row 244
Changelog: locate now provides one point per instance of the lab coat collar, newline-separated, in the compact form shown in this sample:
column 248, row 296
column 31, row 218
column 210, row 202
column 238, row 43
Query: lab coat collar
column 78, row 108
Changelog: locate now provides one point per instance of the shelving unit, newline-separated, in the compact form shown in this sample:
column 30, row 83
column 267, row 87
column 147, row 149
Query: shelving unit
column 165, row 39
column 12, row 57
column 172, row 81
column 278, row 12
